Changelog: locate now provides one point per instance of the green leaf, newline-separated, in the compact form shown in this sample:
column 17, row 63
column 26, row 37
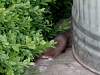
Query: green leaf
column 11, row 37
column 41, row 10
column 6, row 43
column 16, row 59
column 64, row 25
column 28, row 40
column 48, row 0
column 31, row 63
column 2, row 52
column 2, row 5
column 43, row 42
column 26, row 62
column 16, row 47
column 18, row 1
column 3, row 57
column 44, row 3
column 2, row 38
column 12, row 62
column 52, row 42
column 36, row 8
column 12, row 55
column 31, row 45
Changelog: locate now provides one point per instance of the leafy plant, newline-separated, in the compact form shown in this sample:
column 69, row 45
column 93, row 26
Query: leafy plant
column 62, row 27
column 20, row 40
column 56, row 10
column 60, row 9
column 24, row 24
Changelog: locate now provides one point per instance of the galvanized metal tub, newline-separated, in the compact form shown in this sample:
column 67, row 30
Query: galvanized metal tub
column 86, row 33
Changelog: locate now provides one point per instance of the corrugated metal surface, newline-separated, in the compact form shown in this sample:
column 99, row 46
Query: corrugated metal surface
column 86, row 31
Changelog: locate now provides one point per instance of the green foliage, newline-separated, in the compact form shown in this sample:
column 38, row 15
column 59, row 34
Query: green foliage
column 24, row 24
column 60, row 9
column 39, row 22
column 62, row 27
column 20, row 40
column 56, row 10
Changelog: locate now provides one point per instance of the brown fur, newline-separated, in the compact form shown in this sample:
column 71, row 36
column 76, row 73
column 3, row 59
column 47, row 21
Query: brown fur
column 62, row 41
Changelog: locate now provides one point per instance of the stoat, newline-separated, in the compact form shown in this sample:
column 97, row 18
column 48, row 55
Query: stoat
column 62, row 41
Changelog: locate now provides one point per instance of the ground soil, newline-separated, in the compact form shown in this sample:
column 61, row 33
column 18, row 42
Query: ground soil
column 64, row 64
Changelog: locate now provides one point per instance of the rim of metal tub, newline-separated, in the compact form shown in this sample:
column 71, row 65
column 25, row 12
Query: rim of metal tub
column 84, row 65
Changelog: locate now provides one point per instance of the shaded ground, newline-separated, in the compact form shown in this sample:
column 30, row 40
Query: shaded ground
column 64, row 64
